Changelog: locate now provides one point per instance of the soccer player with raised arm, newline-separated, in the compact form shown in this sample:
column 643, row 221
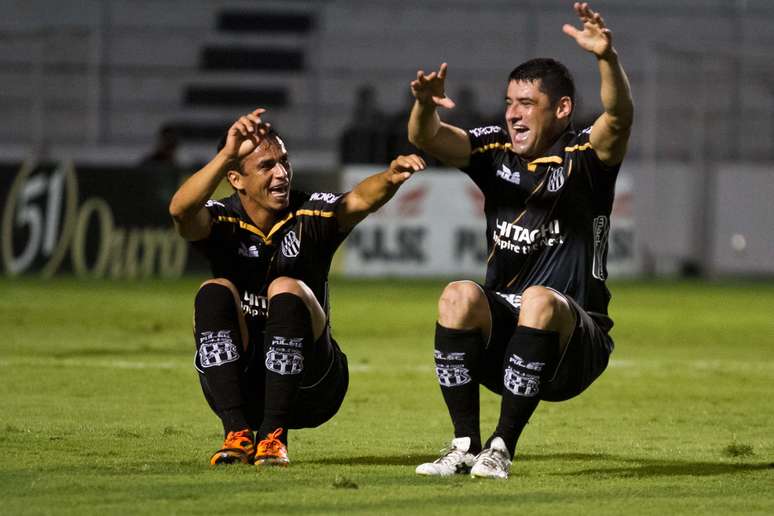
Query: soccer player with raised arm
column 264, row 352
column 538, row 327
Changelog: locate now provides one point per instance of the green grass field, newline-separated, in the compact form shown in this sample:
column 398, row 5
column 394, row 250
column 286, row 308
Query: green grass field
column 101, row 412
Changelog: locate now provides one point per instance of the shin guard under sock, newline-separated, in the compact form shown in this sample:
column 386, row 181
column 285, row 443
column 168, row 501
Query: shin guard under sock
column 530, row 357
column 457, row 358
column 288, row 342
column 219, row 354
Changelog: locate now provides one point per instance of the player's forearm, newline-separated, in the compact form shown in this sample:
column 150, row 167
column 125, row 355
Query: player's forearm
column 374, row 191
column 423, row 125
column 197, row 189
column 615, row 92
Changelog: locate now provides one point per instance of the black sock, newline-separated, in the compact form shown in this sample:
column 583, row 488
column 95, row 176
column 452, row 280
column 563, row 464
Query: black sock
column 529, row 358
column 457, row 357
column 287, row 345
column 219, row 357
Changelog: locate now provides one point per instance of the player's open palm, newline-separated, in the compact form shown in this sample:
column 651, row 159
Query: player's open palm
column 429, row 89
column 595, row 36
column 245, row 134
column 403, row 167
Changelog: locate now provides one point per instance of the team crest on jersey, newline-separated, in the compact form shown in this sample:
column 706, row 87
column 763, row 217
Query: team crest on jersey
column 555, row 178
column 510, row 176
column 291, row 245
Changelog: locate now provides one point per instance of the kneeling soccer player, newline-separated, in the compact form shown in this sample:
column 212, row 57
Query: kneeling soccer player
column 264, row 351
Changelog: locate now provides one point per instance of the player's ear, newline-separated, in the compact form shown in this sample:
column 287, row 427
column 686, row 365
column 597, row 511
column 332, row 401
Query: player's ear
column 564, row 108
column 235, row 180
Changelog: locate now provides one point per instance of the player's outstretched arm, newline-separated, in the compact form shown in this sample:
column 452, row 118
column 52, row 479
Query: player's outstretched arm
column 192, row 220
column 610, row 132
column 446, row 142
column 371, row 193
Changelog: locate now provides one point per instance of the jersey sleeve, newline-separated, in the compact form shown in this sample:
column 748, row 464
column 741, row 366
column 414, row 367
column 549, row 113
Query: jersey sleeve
column 318, row 216
column 485, row 145
column 219, row 212
column 585, row 157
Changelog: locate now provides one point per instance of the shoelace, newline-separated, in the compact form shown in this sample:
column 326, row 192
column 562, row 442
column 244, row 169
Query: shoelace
column 240, row 439
column 493, row 459
column 272, row 443
column 451, row 456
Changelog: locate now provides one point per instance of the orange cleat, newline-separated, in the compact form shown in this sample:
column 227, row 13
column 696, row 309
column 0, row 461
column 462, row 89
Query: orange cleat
column 271, row 451
column 238, row 447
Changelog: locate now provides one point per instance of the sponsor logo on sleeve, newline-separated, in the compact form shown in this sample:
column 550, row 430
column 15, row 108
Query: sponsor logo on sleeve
column 330, row 198
column 482, row 131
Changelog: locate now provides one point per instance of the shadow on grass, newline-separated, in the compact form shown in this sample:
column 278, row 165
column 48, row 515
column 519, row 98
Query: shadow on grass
column 640, row 467
column 648, row 468
column 370, row 460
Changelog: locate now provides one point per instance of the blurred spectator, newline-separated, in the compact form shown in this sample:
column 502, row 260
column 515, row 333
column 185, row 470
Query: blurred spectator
column 397, row 137
column 163, row 161
column 165, row 151
column 364, row 139
column 465, row 114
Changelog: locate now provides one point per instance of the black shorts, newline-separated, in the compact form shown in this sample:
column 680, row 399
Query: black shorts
column 585, row 357
column 318, row 398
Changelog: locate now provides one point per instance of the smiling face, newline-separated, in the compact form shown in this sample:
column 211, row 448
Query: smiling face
column 532, row 120
column 264, row 181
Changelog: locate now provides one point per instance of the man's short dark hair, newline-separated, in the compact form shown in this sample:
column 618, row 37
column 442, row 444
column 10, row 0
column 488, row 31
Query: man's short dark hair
column 555, row 79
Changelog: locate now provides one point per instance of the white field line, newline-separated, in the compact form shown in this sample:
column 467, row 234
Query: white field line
column 625, row 365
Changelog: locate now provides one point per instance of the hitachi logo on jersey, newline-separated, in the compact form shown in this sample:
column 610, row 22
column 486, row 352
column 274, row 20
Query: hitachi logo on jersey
column 480, row 131
column 510, row 176
column 523, row 240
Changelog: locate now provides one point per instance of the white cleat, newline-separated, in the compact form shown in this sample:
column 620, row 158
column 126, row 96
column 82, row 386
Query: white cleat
column 455, row 459
column 493, row 462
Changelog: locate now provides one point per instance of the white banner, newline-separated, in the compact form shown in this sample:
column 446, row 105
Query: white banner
column 434, row 226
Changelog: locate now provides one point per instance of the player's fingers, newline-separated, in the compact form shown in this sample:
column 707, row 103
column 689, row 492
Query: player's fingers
column 442, row 71
column 570, row 30
column 417, row 163
column 240, row 128
column 247, row 124
column 444, row 102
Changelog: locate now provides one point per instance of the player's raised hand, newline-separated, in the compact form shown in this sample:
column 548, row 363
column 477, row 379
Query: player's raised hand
column 403, row 167
column 429, row 89
column 245, row 134
column 595, row 36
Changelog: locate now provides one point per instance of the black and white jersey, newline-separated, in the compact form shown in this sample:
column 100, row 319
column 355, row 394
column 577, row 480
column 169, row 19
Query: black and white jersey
column 547, row 220
column 300, row 245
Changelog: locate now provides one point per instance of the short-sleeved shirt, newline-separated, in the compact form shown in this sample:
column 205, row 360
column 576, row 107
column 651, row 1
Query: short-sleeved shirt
column 300, row 245
column 548, row 219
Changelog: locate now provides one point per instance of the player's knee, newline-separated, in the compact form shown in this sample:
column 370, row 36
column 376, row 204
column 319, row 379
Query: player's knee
column 217, row 290
column 539, row 306
column 459, row 305
column 286, row 285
